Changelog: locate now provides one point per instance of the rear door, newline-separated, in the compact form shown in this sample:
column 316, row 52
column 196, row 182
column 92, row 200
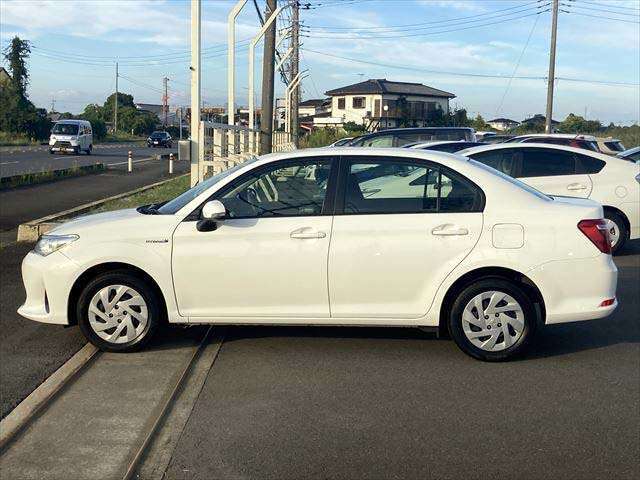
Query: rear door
column 554, row 172
column 401, row 226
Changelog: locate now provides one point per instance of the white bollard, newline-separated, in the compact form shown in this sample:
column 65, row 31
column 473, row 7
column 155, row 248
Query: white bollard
column 170, row 163
column 129, row 163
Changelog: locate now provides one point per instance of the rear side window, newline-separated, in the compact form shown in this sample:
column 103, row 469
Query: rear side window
column 614, row 146
column 586, row 164
column 407, row 187
column 540, row 162
column 382, row 141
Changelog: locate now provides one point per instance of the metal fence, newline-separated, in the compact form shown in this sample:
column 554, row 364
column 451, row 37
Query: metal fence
column 223, row 146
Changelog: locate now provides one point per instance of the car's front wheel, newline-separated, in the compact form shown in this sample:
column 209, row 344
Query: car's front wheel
column 493, row 319
column 118, row 311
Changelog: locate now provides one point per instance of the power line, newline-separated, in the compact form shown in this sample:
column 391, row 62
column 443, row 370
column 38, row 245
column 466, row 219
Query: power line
column 379, row 37
column 610, row 5
column 600, row 17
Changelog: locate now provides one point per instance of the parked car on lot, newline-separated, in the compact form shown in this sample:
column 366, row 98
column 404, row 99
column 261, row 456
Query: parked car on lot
column 586, row 142
column 497, row 138
column 558, row 170
column 445, row 146
column 71, row 136
column 610, row 146
column 633, row 155
column 397, row 137
column 160, row 139
column 481, row 136
column 342, row 236
column 341, row 142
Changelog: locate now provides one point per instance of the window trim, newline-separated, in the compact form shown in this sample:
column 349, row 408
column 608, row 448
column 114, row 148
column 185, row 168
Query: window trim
column 328, row 206
column 345, row 162
column 344, row 103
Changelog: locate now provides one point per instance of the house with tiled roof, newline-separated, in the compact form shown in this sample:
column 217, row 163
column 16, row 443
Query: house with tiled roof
column 382, row 103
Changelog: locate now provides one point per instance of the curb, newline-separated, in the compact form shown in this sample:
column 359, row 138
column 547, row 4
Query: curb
column 30, row 231
column 35, row 178
column 20, row 416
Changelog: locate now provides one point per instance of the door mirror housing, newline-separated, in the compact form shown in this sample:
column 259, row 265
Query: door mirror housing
column 212, row 213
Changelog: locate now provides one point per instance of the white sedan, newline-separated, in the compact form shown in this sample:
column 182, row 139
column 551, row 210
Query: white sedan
column 575, row 172
column 346, row 236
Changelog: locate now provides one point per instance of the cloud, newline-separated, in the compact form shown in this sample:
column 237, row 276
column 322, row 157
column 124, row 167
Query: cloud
column 460, row 5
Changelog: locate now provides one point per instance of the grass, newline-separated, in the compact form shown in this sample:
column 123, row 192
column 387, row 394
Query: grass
column 324, row 136
column 11, row 139
column 121, row 137
column 158, row 194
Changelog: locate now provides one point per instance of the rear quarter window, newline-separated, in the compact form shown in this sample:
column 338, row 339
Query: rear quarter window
column 589, row 165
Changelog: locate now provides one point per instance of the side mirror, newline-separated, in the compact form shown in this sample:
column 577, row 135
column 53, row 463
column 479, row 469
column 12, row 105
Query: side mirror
column 212, row 212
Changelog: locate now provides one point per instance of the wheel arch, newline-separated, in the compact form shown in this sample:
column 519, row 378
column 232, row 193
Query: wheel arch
column 95, row 270
column 490, row 272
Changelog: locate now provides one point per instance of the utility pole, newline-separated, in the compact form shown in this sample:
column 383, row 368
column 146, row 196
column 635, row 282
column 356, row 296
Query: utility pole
column 165, row 101
column 115, row 104
column 268, row 62
column 53, row 105
column 295, row 68
column 196, row 21
column 552, row 65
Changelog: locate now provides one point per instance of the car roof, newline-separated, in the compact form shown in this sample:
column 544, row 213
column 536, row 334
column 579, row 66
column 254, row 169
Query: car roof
column 72, row 121
column 502, row 146
column 628, row 152
column 413, row 130
column 607, row 139
column 433, row 143
column 576, row 136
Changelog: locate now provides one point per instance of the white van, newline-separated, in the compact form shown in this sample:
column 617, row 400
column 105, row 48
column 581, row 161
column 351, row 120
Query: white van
column 75, row 136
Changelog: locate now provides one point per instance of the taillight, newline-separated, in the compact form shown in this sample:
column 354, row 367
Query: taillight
column 597, row 232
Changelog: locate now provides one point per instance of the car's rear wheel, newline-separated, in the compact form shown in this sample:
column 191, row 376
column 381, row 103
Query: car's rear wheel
column 493, row 319
column 617, row 230
column 118, row 311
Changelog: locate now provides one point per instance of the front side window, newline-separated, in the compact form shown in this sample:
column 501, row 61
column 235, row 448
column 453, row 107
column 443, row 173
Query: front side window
column 540, row 162
column 503, row 160
column 382, row 141
column 407, row 187
column 293, row 188
column 341, row 103
column 614, row 146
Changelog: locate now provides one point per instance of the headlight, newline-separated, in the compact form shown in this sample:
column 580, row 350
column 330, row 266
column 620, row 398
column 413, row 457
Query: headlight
column 48, row 244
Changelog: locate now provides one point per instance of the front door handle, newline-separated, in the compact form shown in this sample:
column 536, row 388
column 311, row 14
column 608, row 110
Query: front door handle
column 306, row 233
column 449, row 230
column 576, row 186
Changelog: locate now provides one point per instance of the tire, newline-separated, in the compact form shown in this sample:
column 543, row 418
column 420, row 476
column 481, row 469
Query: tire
column 51, row 152
column 519, row 322
column 90, row 149
column 617, row 229
column 77, row 151
column 139, row 309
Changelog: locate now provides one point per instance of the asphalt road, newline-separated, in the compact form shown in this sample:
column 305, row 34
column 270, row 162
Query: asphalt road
column 290, row 403
column 19, row 160
column 22, row 204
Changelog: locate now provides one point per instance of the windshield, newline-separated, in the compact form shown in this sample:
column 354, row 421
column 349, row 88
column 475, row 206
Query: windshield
column 180, row 201
column 512, row 180
column 65, row 129
column 157, row 134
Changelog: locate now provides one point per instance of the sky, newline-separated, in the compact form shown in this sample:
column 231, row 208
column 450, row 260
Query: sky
column 492, row 54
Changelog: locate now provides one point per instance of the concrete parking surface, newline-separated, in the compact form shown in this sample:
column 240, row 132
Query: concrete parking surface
column 397, row 403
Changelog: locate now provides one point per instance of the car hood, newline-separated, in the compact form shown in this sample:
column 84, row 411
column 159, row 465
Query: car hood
column 85, row 222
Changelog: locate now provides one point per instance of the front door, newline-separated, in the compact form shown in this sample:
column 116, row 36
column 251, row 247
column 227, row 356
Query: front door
column 268, row 259
column 403, row 227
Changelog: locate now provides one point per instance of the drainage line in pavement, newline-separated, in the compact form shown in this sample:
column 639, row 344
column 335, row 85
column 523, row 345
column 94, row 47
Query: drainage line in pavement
column 165, row 407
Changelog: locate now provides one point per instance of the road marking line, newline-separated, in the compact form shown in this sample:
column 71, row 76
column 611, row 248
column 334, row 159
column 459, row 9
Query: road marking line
column 20, row 416
column 7, row 163
column 133, row 161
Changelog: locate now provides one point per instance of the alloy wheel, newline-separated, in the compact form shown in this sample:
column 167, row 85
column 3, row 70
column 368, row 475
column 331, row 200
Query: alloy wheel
column 493, row 321
column 614, row 231
column 118, row 314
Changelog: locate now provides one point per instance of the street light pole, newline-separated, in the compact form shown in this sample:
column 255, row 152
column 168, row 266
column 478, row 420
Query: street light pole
column 195, row 90
column 231, row 60
column 552, row 65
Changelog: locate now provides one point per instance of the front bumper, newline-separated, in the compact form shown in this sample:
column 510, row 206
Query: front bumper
column 573, row 290
column 47, row 281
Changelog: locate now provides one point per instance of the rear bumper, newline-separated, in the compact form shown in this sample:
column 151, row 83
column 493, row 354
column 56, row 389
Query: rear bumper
column 573, row 290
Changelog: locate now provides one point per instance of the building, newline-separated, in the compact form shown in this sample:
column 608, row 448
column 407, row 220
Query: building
column 314, row 106
column 5, row 78
column 503, row 124
column 381, row 103
column 538, row 120
column 150, row 107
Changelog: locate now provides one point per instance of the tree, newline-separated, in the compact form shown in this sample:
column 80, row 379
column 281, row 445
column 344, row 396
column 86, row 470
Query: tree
column 577, row 124
column 124, row 100
column 16, row 54
column 478, row 123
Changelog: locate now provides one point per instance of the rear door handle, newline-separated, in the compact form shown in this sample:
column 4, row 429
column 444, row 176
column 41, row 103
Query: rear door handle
column 449, row 230
column 306, row 233
column 576, row 186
